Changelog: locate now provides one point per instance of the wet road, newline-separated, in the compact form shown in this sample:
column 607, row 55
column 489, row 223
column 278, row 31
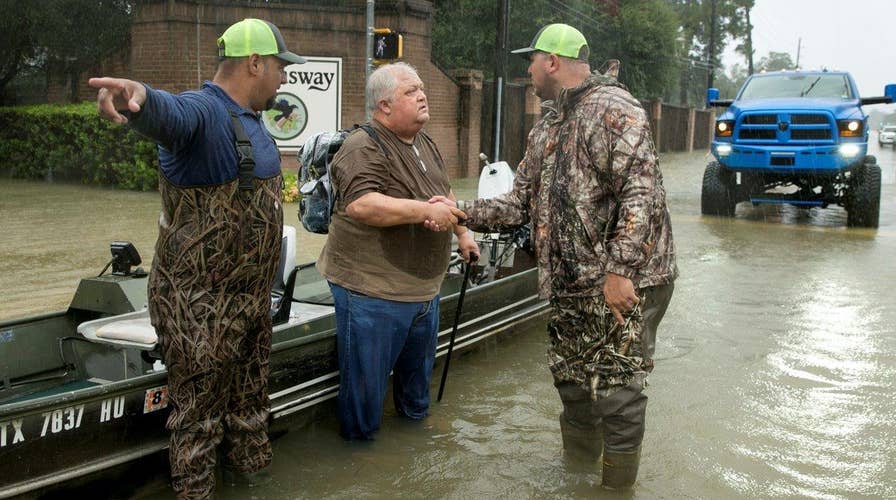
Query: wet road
column 775, row 378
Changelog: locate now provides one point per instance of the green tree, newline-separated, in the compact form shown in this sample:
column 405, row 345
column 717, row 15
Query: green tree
column 730, row 81
column 18, row 34
column 706, row 28
column 742, row 28
column 645, row 34
column 639, row 34
column 78, row 35
column 776, row 61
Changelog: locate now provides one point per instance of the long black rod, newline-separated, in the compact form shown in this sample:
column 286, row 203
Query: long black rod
column 460, row 303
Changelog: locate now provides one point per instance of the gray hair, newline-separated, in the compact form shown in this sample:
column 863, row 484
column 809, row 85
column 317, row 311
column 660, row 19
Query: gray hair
column 383, row 82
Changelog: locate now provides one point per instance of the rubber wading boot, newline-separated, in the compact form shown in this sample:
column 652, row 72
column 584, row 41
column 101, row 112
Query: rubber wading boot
column 581, row 443
column 620, row 468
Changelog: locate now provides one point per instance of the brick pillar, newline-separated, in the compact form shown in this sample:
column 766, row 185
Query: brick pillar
column 469, row 83
column 533, row 106
column 691, row 120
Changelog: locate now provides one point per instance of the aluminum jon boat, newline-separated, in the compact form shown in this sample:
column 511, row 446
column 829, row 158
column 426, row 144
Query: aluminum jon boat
column 83, row 390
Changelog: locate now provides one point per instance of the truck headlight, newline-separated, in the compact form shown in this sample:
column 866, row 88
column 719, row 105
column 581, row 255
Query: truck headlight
column 850, row 128
column 849, row 150
column 723, row 150
column 724, row 128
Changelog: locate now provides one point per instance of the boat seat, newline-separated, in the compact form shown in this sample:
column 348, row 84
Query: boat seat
column 136, row 331
column 124, row 330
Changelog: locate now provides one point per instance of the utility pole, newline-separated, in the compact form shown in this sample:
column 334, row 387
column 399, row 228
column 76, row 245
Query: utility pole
column 500, row 75
column 749, row 43
column 369, row 61
column 711, row 49
column 799, row 45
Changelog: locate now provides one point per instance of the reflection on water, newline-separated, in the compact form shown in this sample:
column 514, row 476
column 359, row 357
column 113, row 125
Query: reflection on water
column 775, row 378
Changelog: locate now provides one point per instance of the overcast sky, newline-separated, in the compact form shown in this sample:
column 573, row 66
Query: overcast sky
column 854, row 35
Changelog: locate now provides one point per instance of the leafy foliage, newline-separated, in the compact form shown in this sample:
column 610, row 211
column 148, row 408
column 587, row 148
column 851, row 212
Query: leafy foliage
column 706, row 28
column 776, row 61
column 18, row 32
column 64, row 38
column 464, row 36
column 73, row 143
column 643, row 29
column 77, row 35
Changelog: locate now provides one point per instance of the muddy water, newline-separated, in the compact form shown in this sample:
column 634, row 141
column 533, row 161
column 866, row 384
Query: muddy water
column 775, row 374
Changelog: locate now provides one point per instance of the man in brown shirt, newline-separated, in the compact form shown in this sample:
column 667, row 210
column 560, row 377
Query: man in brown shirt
column 384, row 267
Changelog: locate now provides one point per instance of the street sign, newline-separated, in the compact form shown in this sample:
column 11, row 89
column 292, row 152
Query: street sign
column 309, row 102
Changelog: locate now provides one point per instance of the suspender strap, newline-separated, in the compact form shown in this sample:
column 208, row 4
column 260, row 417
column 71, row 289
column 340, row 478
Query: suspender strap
column 244, row 155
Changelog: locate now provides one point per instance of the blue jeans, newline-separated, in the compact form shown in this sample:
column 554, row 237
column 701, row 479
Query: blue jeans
column 375, row 336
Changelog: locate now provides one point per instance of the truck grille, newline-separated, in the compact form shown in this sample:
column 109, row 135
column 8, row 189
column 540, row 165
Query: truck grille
column 811, row 134
column 783, row 128
column 809, row 119
column 760, row 134
column 760, row 120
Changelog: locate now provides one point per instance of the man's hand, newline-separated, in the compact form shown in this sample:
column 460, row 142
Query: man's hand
column 443, row 199
column 442, row 217
column 118, row 94
column 467, row 245
column 619, row 294
column 441, row 203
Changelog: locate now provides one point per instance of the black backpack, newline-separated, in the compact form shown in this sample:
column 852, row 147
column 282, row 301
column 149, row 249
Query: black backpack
column 318, row 197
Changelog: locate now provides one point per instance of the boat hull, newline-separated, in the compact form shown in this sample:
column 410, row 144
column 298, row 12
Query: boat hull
column 92, row 424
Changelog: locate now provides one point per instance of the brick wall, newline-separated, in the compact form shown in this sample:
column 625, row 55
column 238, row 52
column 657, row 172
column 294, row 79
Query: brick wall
column 173, row 48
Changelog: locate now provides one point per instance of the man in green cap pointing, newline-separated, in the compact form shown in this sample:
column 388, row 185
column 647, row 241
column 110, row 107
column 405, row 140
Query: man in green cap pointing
column 591, row 188
column 218, row 248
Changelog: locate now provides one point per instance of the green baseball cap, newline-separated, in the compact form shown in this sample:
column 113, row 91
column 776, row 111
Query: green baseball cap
column 255, row 36
column 560, row 39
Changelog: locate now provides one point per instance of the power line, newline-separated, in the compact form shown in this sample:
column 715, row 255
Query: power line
column 594, row 22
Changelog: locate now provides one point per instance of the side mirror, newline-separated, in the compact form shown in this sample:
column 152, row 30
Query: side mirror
column 712, row 94
column 888, row 97
column 890, row 91
column 712, row 99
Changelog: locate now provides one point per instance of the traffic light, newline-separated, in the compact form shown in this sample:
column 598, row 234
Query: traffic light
column 386, row 45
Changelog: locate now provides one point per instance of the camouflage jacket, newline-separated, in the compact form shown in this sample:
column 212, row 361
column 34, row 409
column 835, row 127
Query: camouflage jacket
column 591, row 188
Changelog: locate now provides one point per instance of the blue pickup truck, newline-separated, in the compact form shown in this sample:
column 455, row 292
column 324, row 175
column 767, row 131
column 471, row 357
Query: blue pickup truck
column 796, row 137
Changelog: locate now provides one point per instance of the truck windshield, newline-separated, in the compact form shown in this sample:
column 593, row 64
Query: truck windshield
column 797, row 85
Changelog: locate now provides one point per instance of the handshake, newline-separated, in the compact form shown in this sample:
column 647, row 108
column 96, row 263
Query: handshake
column 443, row 214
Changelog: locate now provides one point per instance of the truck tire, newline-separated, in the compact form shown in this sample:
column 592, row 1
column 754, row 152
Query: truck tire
column 863, row 209
column 718, row 197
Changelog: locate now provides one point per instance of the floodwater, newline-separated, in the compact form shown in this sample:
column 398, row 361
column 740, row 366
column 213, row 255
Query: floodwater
column 775, row 375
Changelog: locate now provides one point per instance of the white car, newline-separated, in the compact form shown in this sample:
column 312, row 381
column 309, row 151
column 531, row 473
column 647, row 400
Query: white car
column 887, row 135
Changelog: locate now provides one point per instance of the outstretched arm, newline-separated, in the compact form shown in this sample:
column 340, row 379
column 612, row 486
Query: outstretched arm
column 377, row 209
column 118, row 94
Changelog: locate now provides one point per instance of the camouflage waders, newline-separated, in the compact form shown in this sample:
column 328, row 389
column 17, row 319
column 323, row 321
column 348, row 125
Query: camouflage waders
column 209, row 300
column 600, row 370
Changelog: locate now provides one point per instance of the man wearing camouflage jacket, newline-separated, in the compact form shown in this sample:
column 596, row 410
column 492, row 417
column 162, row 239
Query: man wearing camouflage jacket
column 591, row 188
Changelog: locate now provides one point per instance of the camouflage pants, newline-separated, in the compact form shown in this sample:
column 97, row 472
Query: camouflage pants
column 600, row 367
column 589, row 348
column 210, row 302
